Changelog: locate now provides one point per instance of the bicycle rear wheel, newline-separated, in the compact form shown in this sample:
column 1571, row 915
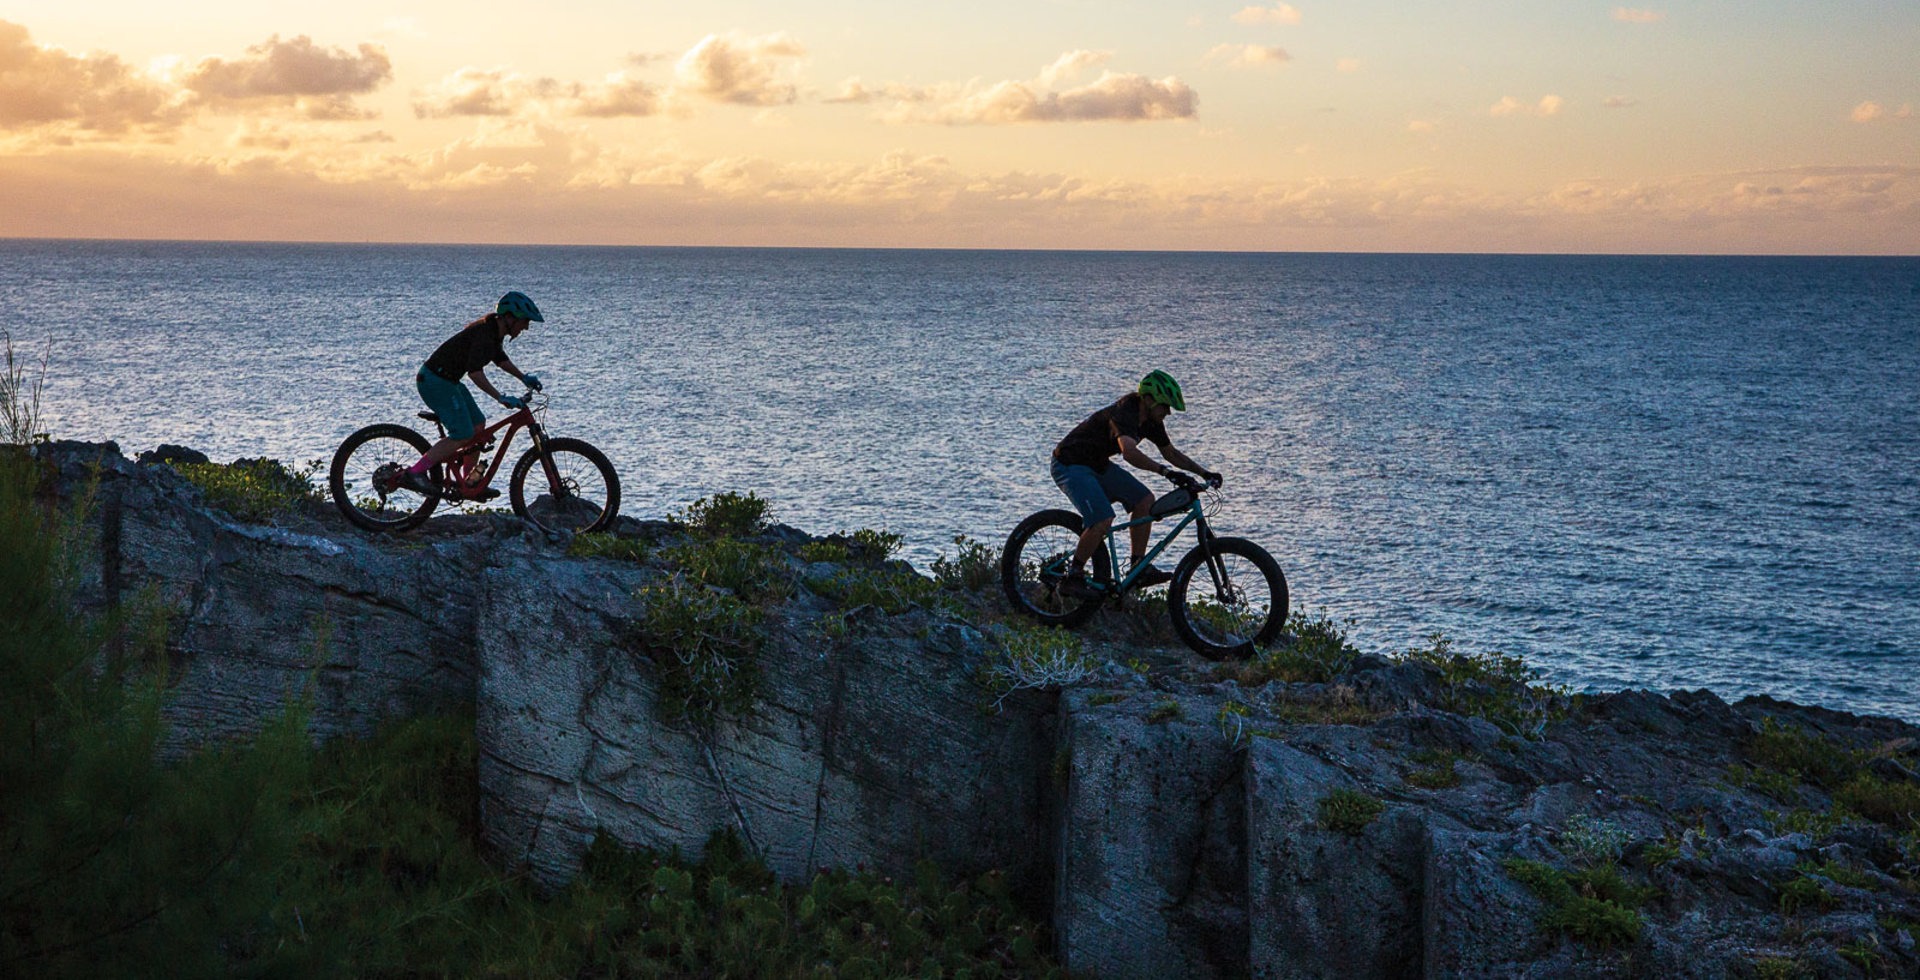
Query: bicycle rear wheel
column 580, row 495
column 1226, row 610
column 364, row 479
column 1038, row 555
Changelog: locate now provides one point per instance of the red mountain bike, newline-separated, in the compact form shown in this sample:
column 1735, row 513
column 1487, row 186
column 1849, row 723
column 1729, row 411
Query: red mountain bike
column 558, row 484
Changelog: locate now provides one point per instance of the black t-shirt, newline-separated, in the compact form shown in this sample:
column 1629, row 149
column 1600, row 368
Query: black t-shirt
column 1095, row 441
column 475, row 346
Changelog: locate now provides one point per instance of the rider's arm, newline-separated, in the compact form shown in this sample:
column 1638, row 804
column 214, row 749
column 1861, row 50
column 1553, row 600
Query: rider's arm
column 1130, row 451
column 479, row 378
column 1180, row 459
column 506, row 364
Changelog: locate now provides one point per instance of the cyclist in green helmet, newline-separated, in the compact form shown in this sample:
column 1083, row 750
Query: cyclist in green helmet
column 468, row 352
column 1083, row 470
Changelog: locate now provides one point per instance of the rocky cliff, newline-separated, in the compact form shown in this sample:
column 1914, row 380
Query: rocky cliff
column 1319, row 813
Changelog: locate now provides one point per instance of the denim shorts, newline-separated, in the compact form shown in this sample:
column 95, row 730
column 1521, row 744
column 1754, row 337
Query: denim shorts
column 452, row 402
column 1093, row 494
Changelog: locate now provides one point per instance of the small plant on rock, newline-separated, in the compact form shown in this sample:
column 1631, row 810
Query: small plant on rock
column 727, row 513
column 252, row 490
column 1595, row 905
column 973, row 567
column 1436, row 770
column 602, row 545
column 1318, row 652
column 1349, row 811
column 753, row 572
column 1035, row 658
column 705, row 645
column 1592, row 841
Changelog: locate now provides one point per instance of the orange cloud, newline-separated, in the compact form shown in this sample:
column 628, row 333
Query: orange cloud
column 1549, row 105
column 497, row 92
column 1634, row 15
column 97, row 93
column 320, row 81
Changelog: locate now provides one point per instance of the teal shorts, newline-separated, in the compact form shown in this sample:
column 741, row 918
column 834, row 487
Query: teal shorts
column 452, row 402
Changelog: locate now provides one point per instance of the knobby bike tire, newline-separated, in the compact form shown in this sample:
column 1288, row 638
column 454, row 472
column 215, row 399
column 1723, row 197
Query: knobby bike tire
column 580, row 465
column 1044, row 543
column 1222, row 630
column 358, row 457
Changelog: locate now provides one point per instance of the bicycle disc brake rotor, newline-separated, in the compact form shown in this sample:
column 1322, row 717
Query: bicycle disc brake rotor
column 386, row 479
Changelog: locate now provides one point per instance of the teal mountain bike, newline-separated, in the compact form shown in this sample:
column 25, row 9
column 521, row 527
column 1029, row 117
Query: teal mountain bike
column 1227, row 596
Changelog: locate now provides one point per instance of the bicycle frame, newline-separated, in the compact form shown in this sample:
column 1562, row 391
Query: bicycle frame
column 1195, row 515
column 461, row 468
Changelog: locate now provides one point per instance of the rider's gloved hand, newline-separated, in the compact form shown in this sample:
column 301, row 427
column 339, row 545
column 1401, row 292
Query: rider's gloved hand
column 513, row 401
column 1213, row 478
column 532, row 380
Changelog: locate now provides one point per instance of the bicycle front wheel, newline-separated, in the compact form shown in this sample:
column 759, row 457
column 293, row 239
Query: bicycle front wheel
column 1035, row 562
column 1226, row 608
column 569, row 487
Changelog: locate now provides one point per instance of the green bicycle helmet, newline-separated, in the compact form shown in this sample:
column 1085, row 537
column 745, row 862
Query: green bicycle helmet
column 1161, row 387
column 517, row 304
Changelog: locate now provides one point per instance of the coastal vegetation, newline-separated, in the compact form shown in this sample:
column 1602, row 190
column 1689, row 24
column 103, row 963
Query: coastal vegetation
column 269, row 856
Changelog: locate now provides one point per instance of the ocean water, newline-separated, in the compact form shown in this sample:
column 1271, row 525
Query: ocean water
column 1632, row 471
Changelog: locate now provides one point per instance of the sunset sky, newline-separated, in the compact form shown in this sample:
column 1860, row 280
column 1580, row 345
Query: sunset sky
column 1758, row 127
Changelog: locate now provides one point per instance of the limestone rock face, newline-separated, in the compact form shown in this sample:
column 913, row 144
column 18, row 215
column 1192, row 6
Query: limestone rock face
column 876, row 750
column 1170, row 817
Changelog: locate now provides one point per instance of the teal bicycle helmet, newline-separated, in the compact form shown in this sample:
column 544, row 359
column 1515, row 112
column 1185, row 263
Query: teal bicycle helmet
column 517, row 304
column 1161, row 387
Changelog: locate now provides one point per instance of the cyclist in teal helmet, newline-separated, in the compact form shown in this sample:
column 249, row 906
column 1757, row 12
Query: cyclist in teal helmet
column 1083, row 469
column 467, row 353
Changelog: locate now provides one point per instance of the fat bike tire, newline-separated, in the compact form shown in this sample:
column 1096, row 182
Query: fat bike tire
column 1228, row 621
column 1034, row 563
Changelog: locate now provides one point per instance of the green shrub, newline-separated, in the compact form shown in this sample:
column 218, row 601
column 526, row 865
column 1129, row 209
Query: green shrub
column 1318, row 652
column 1792, row 750
column 1805, row 893
column 1592, row 841
column 600, row 545
column 827, row 551
column 705, row 646
column 973, row 567
column 876, row 546
column 1349, row 811
column 252, row 490
column 1595, row 905
column 1165, row 711
column 1436, row 770
column 753, row 572
column 1895, row 805
column 726, row 513
column 116, row 862
column 1493, row 686
column 891, row 590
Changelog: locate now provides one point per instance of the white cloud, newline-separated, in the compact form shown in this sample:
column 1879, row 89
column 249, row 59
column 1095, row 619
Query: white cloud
column 1249, row 55
column 1635, row 15
column 1549, row 105
column 745, row 71
column 1071, row 65
column 1113, row 97
column 1280, row 13
column 1868, row 112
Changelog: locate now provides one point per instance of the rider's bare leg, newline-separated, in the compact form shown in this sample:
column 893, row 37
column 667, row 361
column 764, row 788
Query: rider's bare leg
column 440, row 452
column 1141, row 532
column 1089, row 540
